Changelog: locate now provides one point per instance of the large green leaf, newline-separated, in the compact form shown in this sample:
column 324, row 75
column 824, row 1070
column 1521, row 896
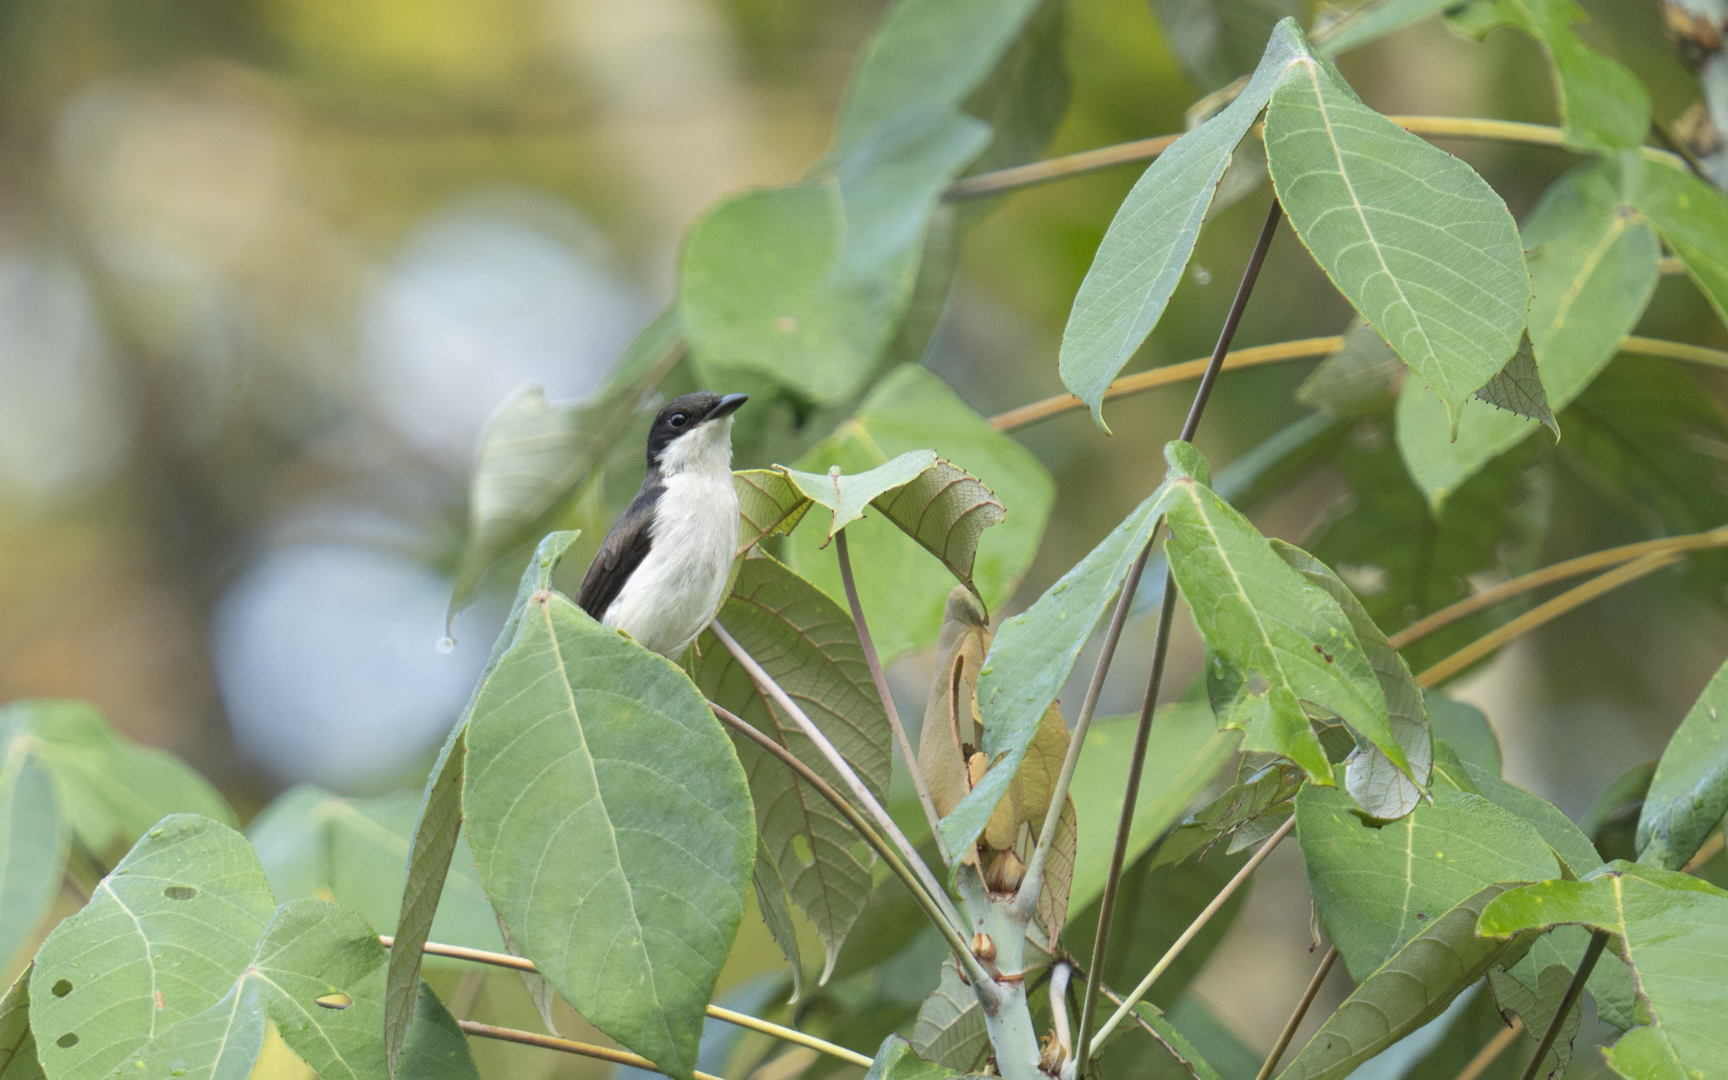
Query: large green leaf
column 534, row 454
column 901, row 586
column 315, row 844
column 1374, row 19
column 1593, row 268
column 1286, row 640
column 950, row 1027
column 161, row 940
column 1672, row 930
column 1244, row 808
column 771, row 905
column 1566, row 839
column 111, row 789
column 1411, row 988
column 1376, row 888
column 1218, row 41
column 1419, row 243
column 1692, row 217
column 17, row 1045
column 439, row 824
column 1689, row 794
column 896, row 1061
column 809, row 645
column 32, row 844
column 1142, row 256
column 1377, row 784
column 1603, row 106
column 1184, row 752
column 1032, row 655
column 612, row 826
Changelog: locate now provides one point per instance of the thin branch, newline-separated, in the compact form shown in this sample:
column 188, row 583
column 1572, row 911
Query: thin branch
column 1593, row 953
column 1491, row 1051
column 1060, row 973
column 766, row 1027
column 914, row 885
column 913, row 772
column 1188, row 935
column 1546, row 613
column 568, row 1046
column 1295, row 1020
column 1584, row 564
column 1160, row 648
column 766, row 683
column 1304, row 349
column 1104, row 157
column 1706, row 851
column 1140, row 382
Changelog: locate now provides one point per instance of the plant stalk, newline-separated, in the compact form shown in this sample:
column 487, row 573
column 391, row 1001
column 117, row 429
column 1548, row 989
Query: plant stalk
column 1491, row 1050
column 913, row 772
column 1188, row 935
column 766, row 683
column 1295, row 1020
column 1593, row 953
column 568, row 1046
column 952, row 932
column 1160, row 649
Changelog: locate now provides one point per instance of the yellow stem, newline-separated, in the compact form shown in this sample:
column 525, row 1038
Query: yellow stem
column 568, row 1046
column 1491, row 1051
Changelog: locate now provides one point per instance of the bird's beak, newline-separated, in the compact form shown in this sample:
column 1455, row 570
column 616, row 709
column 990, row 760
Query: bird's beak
column 727, row 406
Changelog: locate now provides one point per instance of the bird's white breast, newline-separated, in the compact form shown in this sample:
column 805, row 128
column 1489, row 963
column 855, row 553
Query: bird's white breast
column 677, row 589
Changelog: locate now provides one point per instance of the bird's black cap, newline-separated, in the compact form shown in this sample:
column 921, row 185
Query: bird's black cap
column 684, row 413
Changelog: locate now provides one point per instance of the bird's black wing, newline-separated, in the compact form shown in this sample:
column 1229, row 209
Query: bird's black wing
column 623, row 550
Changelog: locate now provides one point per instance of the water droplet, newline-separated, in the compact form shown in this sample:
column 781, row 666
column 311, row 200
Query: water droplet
column 1202, row 276
column 446, row 644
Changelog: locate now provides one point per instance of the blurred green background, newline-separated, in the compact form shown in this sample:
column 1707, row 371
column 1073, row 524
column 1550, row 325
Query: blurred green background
column 266, row 267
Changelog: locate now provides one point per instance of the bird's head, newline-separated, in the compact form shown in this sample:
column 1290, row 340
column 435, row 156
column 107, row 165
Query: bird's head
column 694, row 434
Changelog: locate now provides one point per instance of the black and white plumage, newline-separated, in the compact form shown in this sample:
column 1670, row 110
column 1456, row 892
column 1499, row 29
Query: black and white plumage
column 661, row 572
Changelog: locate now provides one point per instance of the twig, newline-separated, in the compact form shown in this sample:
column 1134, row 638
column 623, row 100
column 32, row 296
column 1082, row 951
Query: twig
column 1060, row 972
column 1295, row 1020
column 1104, row 157
column 1188, row 935
column 1160, row 648
column 914, row 885
column 1675, row 350
column 1491, row 1051
column 913, row 772
column 766, row 683
column 1584, row 564
column 1592, row 953
column 1706, row 851
column 767, row 1027
column 1545, row 613
column 568, row 1046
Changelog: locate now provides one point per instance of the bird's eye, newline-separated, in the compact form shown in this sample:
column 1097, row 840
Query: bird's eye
column 678, row 420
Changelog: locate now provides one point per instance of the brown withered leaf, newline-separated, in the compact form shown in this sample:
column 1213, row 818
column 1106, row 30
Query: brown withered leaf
column 951, row 710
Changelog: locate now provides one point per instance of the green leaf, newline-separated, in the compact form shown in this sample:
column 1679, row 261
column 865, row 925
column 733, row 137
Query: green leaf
column 768, row 504
column 1435, row 266
column 1361, row 378
column 1517, row 388
column 1412, row 987
column 1692, row 217
column 1611, row 823
column 1267, row 793
column 950, row 1027
column 1465, row 729
column 946, row 510
column 439, row 824
column 315, row 844
column 17, row 1045
column 1023, row 100
column 1140, row 261
column 1374, row 19
column 896, row 1061
column 1377, row 784
column 1603, row 106
column 1689, row 794
column 161, row 940
column 1377, row 888
column 1175, row 1045
column 847, row 495
column 1031, row 657
column 1593, row 268
column 809, row 645
column 1184, row 752
column 771, row 903
column 32, row 845
column 1567, row 840
column 1537, row 1006
column 534, row 454
column 612, row 826
column 901, row 587
column 1218, row 41
column 1672, row 930
column 1288, row 639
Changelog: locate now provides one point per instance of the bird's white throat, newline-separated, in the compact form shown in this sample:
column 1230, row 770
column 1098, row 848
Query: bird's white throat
column 706, row 449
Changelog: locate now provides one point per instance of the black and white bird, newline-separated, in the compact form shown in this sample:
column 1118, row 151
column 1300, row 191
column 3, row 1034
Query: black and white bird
column 661, row 572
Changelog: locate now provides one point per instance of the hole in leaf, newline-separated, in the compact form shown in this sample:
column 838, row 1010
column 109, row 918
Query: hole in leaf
column 62, row 988
column 67, row 1041
column 179, row 892
column 801, row 848
column 335, row 1001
